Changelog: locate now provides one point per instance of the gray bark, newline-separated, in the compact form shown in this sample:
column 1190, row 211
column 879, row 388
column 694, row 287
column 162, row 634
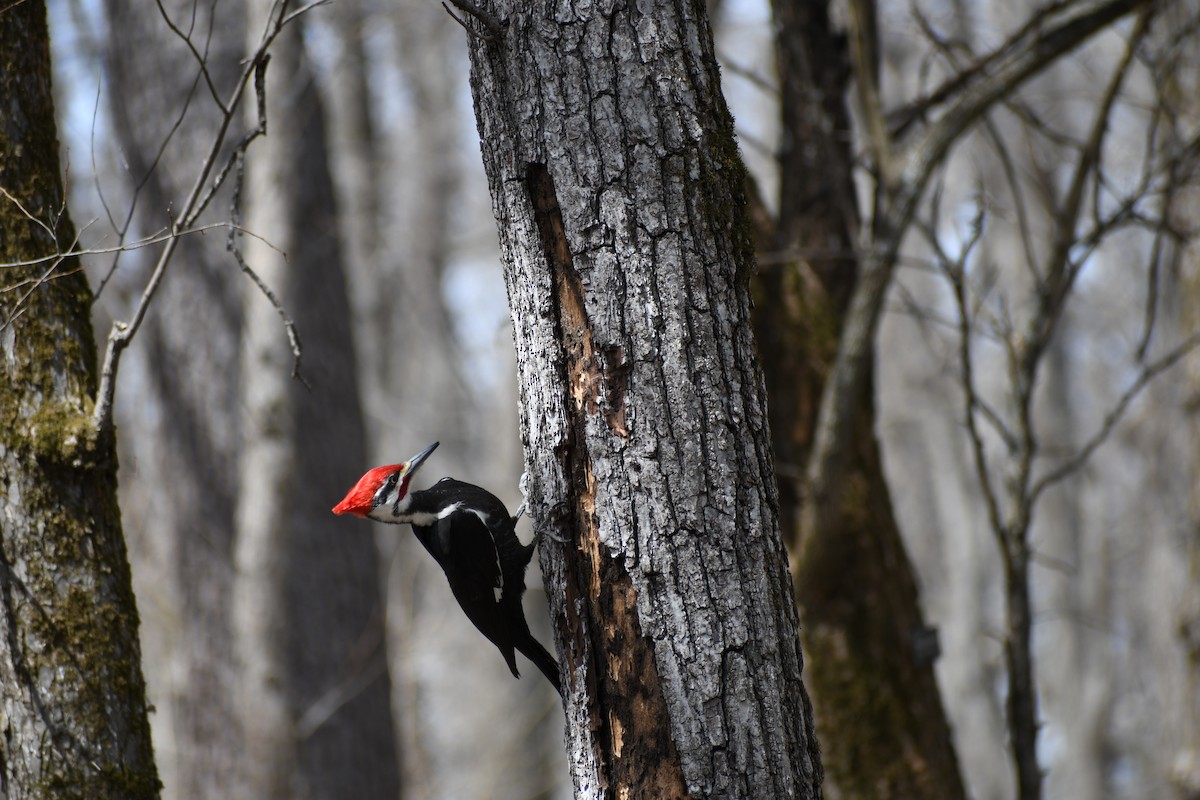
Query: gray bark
column 266, row 462
column 172, row 421
column 307, row 606
column 341, row 688
column 72, row 696
column 618, row 192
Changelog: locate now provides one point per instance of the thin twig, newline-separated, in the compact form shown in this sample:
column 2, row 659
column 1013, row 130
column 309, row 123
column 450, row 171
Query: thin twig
column 122, row 333
column 159, row 237
column 864, row 48
column 235, row 215
column 489, row 21
column 144, row 179
column 1114, row 416
column 201, row 59
column 40, row 223
column 754, row 77
column 235, row 210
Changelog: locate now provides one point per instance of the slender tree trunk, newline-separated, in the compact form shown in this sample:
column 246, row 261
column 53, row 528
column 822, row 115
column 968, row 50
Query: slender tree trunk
column 357, row 163
column 72, row 696
column 172, row 423
column 618, row 191
column 878, row 706
column 267, row 461
column 1185, row 769
column 307, row 604
column 308, row 610
column 341, row 689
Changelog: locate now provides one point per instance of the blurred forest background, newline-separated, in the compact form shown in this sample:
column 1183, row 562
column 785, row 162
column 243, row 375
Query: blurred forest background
column 370, row 181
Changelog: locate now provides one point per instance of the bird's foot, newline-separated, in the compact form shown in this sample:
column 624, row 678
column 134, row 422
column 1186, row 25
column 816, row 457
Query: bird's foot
column 537, row 539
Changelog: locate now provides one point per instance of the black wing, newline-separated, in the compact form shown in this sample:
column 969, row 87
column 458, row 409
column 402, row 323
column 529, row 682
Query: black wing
column 473, row 540
column 472, row 536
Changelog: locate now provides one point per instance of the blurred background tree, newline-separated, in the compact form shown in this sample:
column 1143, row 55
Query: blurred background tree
column 1043, row 285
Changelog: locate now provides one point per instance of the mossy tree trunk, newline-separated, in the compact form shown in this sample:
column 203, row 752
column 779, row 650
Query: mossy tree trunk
column 618, row 190
column 879, row 710
column 72, row 695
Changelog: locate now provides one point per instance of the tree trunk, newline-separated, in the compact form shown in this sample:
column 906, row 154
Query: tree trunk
column 337, row 649
column 173, row 423
column 878, row 707
column 267, row 460
column 308, row 613
column 618, row 191
column 72, row 695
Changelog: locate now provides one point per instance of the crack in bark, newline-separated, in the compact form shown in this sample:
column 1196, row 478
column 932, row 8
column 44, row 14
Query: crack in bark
column 602, row 627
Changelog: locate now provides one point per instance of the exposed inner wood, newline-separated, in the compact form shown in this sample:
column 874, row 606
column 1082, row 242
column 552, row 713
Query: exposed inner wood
column 625, row 700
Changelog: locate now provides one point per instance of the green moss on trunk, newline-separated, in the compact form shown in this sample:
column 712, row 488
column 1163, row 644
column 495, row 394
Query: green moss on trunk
column 71, row 689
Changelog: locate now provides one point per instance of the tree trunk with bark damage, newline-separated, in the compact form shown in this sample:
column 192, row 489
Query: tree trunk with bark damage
column 618, row 190
column 72, row 697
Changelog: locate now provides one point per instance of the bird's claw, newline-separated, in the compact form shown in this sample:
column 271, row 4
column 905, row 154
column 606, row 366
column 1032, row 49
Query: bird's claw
column 549, row 535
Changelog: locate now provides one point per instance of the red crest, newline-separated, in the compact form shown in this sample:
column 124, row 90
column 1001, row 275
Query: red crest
column 358, row 500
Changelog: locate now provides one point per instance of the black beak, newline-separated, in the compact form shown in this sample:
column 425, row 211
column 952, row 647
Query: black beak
column 415, row 462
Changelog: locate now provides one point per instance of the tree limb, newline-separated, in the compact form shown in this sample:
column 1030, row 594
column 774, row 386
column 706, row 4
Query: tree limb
column 122, row 333
column 1050, row 35
column 1114, row 416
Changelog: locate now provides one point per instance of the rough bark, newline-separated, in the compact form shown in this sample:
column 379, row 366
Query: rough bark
column 618, row 192
column 879, row 711
column 71, row 690
column 438, row 231
column 308, row 615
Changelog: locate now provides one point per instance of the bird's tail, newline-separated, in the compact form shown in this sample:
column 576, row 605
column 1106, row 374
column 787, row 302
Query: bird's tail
column 532, row 649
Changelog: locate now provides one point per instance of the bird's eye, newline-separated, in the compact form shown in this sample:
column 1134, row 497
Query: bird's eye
column 386, row 489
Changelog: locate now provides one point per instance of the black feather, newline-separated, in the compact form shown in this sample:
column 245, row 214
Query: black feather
column 477, row 547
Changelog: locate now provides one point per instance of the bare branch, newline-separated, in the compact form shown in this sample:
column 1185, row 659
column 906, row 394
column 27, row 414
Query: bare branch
column 1113, row 417
column 1051, row 34
column 753, row 76
column 112, row 221
column 40, row 223
column 971, row 403
column 122, row 333
column 201, row 58
column 159, row 237
column 1066, row 221
column 1150, row 310
column 260, row 129
column 302, row 10
column 143, row 180
column 231, row 245
column 864, row 46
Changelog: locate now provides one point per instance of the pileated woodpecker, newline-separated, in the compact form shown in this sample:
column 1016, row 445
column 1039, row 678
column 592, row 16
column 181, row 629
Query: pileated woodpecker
column 469, row 532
